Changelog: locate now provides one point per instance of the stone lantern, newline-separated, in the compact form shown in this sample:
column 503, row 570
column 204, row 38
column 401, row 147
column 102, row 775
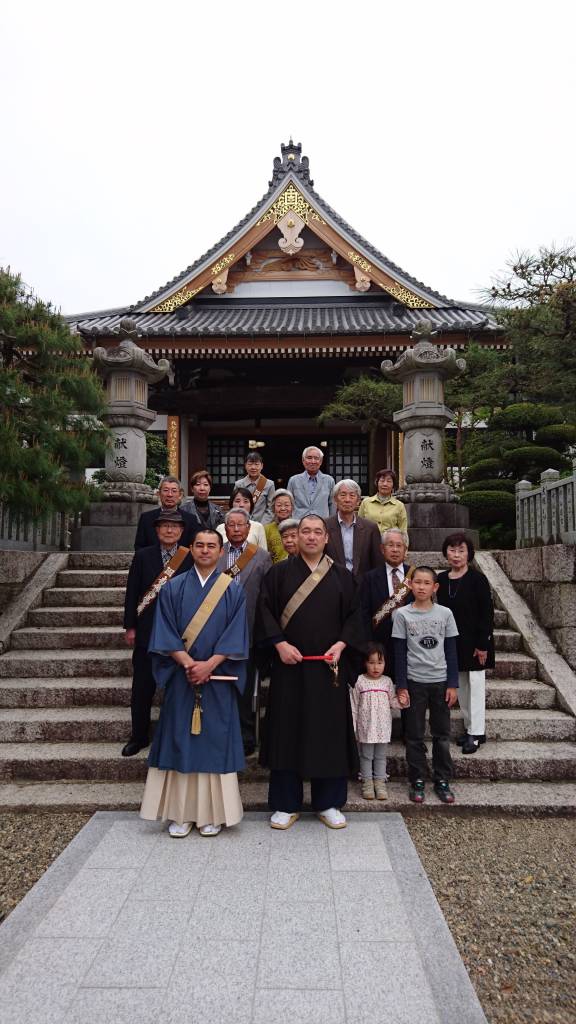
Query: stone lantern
column 128, row 371
column 431, row 504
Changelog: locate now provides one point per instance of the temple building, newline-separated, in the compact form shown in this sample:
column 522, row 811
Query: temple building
column 262, row 329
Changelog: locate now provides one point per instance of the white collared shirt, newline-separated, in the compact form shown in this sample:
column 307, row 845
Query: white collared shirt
column 203, row 581
column 347, row 532
column 400, row 574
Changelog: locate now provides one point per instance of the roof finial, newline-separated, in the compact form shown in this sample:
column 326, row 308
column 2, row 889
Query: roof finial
column 291, row 161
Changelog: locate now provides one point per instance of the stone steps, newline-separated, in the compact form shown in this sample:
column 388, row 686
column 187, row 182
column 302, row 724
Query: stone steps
column 51, row 618
column 100, row 559
column 484, row 797
column 67, row 663
column 495, row 760
column 513, row 665
column 64, row 714
column 75, row 692
column 83, row 597
column 89, row 724
column 54, row 662
column 75, row 638
column 507, row 640
column 53, row 635
column 115, row 690
column 92, row 578
column 519, row 693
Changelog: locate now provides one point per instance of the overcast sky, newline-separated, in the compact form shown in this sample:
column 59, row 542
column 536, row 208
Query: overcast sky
column 136, row 134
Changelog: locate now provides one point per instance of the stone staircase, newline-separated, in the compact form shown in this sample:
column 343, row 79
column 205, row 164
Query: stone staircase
column 64, row 713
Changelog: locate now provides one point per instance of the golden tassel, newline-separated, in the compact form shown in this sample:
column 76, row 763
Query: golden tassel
column 197, row 714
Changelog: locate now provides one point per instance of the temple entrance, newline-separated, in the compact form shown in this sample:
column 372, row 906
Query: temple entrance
column 345, row 456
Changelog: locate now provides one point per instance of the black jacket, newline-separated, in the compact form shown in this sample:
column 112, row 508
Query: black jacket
column 146, row 566
column 373, row 593
column 146, row 535
column 471, row 605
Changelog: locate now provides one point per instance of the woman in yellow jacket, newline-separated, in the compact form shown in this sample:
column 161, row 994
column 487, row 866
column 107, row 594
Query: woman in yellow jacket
column 383, row 509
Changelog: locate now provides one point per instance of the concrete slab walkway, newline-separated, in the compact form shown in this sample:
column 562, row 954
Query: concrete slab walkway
column 255, row 926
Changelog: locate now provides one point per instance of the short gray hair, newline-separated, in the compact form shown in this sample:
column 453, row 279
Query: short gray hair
column 312, row 448
column 282, row 493
column 170, row 480
column 396, row 529
column 287, row 524
column 237, row 512
column 350, row 484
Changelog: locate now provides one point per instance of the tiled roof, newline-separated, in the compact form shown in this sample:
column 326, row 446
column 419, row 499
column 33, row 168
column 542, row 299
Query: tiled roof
column 293, row 164
column 229, row 318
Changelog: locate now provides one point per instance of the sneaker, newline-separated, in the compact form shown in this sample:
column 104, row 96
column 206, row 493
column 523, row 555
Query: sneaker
column 180, row 831
column 210, row 830
column 333, row 818
column 368, row 790
column 417, row 792
column 380, row 789
column 283, row 819
column 443, row 792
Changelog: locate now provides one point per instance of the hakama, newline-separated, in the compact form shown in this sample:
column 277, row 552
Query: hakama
column 193, row 777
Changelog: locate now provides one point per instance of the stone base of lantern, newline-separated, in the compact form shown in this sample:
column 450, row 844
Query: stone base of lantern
column 430, row 522
column 111, row 525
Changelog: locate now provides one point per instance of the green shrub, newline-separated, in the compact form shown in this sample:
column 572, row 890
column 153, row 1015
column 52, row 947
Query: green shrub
column 497, row 536
column 530, row 460
column 492, row 485
column 490, row 507
column 484, row 469
column 525, row 416
column 560, row 436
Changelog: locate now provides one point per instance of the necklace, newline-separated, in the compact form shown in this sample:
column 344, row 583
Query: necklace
column 454, row 585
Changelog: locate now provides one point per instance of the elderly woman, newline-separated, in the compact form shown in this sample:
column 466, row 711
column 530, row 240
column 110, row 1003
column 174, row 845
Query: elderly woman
column 206, row 512
column 283, row 508
column 242, row 498
column 288, row 531
column 383, row 509
column 466, row 592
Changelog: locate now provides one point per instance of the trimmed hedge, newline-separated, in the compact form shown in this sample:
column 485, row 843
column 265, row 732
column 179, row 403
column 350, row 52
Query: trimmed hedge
column 484, row 469
column 525, row 416
column 492, row 485
column 533, row 459
column 558, row 435
column 490, row 507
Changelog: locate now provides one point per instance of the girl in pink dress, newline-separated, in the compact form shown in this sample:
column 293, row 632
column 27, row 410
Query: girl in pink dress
column 372, row 699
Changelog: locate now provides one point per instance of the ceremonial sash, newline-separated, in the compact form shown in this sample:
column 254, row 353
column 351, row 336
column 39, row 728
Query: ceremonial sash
column 241, row 563
column 167, row 573
column 395, row 601
column 203, row 613
column 260, row 485
column 305, row 589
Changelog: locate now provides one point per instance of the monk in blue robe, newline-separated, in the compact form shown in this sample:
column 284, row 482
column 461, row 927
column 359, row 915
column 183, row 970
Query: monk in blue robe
column 192, row 777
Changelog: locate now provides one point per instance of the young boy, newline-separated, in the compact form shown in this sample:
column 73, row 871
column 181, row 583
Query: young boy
column 426, row 665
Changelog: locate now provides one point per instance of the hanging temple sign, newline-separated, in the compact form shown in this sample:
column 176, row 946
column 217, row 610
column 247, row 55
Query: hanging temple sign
column 290, row 212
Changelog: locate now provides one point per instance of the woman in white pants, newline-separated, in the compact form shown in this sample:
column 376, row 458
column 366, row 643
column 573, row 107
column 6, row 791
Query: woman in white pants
column 466, row 592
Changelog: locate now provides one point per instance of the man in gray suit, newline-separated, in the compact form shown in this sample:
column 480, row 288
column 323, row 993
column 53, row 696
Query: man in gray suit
column 352, row 541
column 312, row 489
column 247, row 564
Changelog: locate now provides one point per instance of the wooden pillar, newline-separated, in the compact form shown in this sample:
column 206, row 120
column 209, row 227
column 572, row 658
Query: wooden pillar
column 173, row 444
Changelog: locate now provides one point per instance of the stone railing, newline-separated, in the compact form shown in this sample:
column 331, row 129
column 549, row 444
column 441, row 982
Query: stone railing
column 50, row 534
column 546, row 514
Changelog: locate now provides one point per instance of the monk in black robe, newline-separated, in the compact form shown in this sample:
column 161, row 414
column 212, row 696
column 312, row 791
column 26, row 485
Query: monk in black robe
column 308, row 732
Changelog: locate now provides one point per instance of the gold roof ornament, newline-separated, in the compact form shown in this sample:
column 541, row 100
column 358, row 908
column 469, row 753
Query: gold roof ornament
column 290, row 200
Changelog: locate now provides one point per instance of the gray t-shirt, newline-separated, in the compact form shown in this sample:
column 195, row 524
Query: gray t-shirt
column 425, row 633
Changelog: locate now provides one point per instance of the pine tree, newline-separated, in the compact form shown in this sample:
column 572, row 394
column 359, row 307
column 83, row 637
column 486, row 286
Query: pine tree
column 50, row 403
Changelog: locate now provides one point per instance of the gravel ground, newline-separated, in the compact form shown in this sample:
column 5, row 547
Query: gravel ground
column 507, row 887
